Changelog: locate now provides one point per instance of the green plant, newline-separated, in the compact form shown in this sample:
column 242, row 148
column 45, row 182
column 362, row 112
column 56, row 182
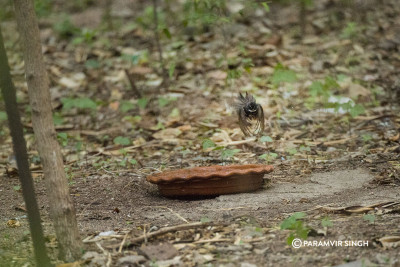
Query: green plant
column 264, row 139
column 171, row 69
column 229, row 153
column 323, row 89
column 326, row 222
column 86, row 36
column 17, row 188
column 207, row 143
column 142, row 102
column 297, row 227
column 305, row 148
column 174, row 113
column 79, row 103
column 63, row 139
column 64, row 27
column 43, row 7
column 369, row 217
column 57, row 118
column 350, row 31
column 292, row 151
column 366, row 137
column 268, row 156
column 283, row 74
column 3, row 116
column 125, row 106
column 205, row 220
column 120, row 140
column 92, row 64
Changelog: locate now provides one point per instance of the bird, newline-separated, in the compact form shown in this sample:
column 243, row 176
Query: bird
column 250, row 115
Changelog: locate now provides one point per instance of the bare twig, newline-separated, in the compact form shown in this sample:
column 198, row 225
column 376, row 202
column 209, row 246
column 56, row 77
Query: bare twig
column 105, row 252
column 163, row 231
column 136, row 92
column 240, row 142
column 123, row 242
column 173, row 212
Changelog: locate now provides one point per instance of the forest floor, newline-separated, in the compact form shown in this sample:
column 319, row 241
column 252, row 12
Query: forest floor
column 331, row 102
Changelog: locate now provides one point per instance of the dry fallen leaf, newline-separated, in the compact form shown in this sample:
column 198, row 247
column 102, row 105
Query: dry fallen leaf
column 13, row 223
column 169, row 133
column 390, row 241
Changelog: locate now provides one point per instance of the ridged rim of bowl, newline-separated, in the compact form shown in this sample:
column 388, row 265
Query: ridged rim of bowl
column 208, row 172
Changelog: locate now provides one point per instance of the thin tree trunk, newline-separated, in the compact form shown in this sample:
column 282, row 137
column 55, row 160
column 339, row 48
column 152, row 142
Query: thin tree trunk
column 62, row 210
column 24, row 174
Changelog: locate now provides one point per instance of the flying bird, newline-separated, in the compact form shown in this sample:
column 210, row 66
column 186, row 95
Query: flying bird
column 250, row 114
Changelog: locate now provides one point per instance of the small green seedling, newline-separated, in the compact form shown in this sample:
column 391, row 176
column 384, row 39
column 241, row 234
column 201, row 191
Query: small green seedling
column 295, row 224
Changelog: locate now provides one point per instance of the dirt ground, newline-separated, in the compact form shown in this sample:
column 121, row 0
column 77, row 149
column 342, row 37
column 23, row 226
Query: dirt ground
column 127, row 203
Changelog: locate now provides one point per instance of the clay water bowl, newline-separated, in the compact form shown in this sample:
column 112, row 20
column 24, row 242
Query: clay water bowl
column 211, row 180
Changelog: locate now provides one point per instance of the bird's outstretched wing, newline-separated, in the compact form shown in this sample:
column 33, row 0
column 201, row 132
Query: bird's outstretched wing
column 259, row 129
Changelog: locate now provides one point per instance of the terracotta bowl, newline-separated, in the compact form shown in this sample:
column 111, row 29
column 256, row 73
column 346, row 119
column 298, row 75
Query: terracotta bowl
column 211, row 180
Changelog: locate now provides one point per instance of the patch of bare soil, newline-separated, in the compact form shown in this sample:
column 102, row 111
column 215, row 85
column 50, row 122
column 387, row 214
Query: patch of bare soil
column 244, row 228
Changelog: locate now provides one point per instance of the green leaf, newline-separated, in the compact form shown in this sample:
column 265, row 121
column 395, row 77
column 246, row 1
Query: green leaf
column 282, row 74
column 174, row 113
column 356, row 110
column 142, row 102
column 305, row 148
column 159, row 126
column 292, row 151
column 268, row 156
column 330, row 83
column 126, row 106
column 78, row 145
column 80, row 103
column 290, row 239
column 3, row 116
column 316, row 88
column 350, row 31
column 133, row 161
column 63, row 138
column 120, row 140
column 302, row 231
column 92, row 64
column 133, row 59
column 290, row 222
column 122, row 163
column 266, row 6
column 366, row 137
column 205, row 220
column 326, row 222
column 229, row 153
column 171, row 70
column 265, row 139
column 167, row 33
column 17, row 187
column 57, row 119
column 207, row 143
column 369, row 217
column 273, row 155
column 162, row 102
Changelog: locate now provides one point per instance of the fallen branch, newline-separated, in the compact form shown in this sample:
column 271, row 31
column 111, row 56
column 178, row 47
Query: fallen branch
column 162, row 231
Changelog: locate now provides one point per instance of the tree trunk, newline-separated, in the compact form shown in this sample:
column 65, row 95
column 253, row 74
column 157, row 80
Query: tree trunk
column 62, row 210
column 24, row 174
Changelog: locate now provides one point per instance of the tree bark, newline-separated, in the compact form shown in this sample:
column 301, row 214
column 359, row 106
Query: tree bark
column 24, row 174
column 62, row 210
